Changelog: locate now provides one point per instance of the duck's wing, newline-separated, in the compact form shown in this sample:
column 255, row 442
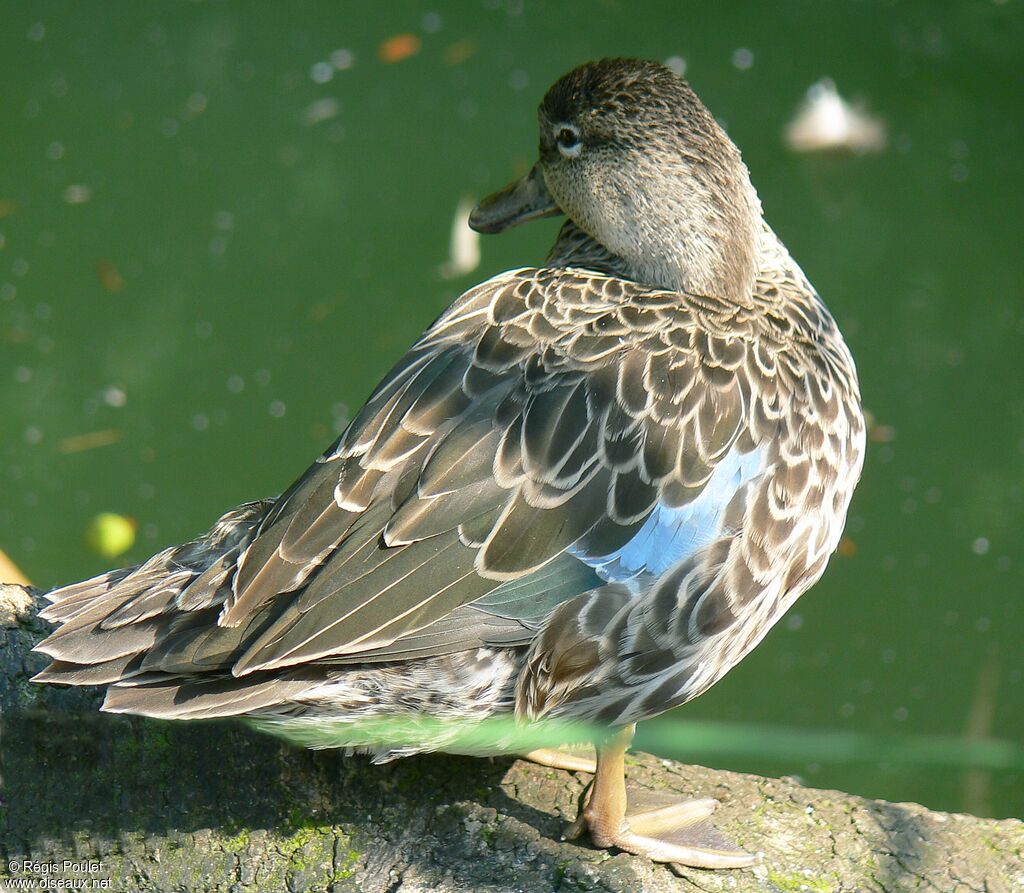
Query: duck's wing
column 527, row 437
column 552, row 431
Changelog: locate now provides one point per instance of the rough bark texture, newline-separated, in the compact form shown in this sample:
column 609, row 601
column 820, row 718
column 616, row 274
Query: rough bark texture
column 216, row 807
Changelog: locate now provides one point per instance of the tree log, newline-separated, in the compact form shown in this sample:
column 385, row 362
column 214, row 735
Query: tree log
column 214, row 806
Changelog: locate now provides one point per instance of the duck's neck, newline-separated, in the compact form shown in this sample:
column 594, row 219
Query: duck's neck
column 694, row 266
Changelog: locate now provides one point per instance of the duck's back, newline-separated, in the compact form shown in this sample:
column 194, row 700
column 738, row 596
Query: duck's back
column 612, row 490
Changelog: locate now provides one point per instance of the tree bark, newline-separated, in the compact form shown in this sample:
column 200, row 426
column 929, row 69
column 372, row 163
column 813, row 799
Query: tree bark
column 216, row 807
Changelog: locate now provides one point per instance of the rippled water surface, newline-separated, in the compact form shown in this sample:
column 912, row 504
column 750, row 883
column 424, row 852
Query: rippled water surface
column 221, row 222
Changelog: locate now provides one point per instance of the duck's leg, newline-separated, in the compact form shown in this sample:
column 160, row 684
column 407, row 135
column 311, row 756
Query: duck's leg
column 677, row 834
column 556, row 758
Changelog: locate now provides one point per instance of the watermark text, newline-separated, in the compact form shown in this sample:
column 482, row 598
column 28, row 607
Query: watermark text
column 64, row 874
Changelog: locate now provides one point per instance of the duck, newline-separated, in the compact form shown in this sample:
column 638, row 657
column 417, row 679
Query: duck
column 586, row 492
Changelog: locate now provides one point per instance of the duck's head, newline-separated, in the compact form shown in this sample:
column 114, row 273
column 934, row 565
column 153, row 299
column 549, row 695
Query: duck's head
column 631, row 155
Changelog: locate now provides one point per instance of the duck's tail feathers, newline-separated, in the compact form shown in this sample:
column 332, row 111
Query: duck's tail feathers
column 107, row 624
column 208, row 699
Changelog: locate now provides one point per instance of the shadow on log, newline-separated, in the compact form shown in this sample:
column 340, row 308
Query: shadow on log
column 216, row 807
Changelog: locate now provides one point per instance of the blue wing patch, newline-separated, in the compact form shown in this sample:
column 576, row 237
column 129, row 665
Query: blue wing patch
column 670, row 535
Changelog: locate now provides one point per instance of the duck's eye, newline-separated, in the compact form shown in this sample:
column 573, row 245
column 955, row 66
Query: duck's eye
column 568, row 139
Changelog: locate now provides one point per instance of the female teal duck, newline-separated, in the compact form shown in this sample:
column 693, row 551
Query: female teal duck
column 585, row 493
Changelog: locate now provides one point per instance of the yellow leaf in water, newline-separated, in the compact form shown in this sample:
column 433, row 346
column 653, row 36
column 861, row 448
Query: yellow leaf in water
column 110, row 534
column 78, row 443
column 9, row 571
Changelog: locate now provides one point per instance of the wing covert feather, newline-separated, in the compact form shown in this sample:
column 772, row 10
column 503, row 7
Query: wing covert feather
column 549, row 409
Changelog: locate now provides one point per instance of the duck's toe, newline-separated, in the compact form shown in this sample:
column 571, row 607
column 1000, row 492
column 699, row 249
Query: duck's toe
column 683, row 835
column 562, row 758
column 676, row 832
column 680, row 834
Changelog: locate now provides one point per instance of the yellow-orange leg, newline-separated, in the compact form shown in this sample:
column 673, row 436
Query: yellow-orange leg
column 659, row 834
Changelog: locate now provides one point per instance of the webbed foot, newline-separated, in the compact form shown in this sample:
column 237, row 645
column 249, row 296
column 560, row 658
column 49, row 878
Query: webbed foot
column 679, row 834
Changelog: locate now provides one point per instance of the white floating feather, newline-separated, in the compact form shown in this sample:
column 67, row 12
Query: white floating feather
column 464, row 250
column 827, row 122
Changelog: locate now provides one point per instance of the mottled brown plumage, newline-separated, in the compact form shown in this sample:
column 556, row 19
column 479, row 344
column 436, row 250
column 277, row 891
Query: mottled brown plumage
column 586, row 492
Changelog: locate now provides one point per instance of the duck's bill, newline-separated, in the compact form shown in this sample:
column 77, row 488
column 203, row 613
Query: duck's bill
column 525, row 199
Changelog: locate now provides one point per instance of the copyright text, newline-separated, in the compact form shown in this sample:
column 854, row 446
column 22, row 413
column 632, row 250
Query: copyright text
column 67, row 874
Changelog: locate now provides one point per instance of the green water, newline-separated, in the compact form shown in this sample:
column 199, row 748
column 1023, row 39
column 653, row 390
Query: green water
column 245, row 247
